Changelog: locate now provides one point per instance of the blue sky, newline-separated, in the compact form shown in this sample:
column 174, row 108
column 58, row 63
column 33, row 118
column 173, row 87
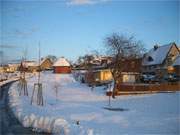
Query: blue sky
column 74, row 27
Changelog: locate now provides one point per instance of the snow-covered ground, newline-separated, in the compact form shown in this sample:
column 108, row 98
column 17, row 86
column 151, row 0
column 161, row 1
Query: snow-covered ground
column 11, row 77
column 140, row 114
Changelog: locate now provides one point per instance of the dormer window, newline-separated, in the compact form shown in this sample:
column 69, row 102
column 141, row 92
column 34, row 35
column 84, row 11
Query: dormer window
column 150, row 59
column 156, row 47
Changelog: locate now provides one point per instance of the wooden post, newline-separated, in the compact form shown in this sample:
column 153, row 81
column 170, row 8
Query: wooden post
column 56, row 87
column 38, row 88
column 22, row 81
column 109, row 93
column 109, row 100
column 23, row 87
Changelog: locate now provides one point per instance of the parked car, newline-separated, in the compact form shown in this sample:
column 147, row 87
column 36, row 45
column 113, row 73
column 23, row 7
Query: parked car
column 171, row 78
column 147, row 78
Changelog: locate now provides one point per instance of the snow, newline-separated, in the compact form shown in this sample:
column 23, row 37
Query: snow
column 61, row 62
column 157, row 55
column 8, row 77
column 79, row 110
column 29, row 63
column 36, row 63
column 34, row 117
column 8, row 81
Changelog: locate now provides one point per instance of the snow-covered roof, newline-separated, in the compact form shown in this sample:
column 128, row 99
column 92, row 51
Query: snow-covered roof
column 156, row 56
column 34, row 63
column 177, row 61
column 43, row 60
column 13, row 65
column 29, row 63
column 61, row 62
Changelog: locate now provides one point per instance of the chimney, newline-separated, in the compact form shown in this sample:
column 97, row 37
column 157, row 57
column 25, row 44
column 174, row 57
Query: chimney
column 155, row 47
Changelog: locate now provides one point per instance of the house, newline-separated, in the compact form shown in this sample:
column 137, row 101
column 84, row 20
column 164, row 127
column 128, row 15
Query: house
column 34, row 67
column 98, row 76
column 12, row 67
column 27, row 66
column 93, row 70
column 92, row 61
column 176, row 65
column 45, row 64
column 62, row 66
column 1, row 69
column 159, row 58
column 79, row 74
column 131, row 70
column 101, row 60
column 102, row 75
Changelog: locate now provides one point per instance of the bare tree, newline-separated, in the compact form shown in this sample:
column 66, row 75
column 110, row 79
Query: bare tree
column 88, row 66
column 86, row 62
column 121, row 48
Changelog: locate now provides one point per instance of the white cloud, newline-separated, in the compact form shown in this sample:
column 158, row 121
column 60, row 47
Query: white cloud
column 85, row 2
column 80, row 2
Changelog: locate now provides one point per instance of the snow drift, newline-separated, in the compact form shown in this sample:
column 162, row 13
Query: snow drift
column 38, row 123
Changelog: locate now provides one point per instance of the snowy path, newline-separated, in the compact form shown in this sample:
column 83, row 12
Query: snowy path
column 145, row 114
column 8, row 123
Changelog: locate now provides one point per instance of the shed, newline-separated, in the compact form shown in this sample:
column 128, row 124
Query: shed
column 98, row 76
column 62, row 66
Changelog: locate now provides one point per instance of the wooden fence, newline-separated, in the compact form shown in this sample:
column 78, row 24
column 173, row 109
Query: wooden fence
column 147, row 88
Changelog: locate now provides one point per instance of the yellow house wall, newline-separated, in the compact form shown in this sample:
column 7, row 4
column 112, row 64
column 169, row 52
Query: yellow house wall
column 33, row 68
column 46, row 64
column 172, row 54
column 105, row 75
column 129, row 78
column 1, row 69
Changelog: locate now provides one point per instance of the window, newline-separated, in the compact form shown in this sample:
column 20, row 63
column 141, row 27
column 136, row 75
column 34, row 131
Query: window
column 150, row 58
column 133, row 64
